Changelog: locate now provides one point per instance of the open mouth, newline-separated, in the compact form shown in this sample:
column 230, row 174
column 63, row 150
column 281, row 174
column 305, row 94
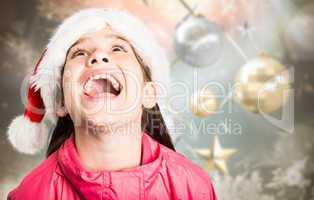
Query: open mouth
column 100, row 85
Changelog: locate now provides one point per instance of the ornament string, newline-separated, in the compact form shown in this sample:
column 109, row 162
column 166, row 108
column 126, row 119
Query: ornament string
column 187, row 7
column 237, row 47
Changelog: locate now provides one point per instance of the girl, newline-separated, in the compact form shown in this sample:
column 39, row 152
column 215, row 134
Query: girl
column 101, row 79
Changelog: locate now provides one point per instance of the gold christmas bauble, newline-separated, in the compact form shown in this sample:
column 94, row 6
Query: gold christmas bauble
column 262, row 85
column 203, row 103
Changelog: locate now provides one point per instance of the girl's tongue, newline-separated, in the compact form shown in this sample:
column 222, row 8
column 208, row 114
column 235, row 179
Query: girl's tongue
column 96, row 88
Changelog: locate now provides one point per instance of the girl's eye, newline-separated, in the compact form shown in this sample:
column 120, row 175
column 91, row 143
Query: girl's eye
column 79, row 52
column 118, row 48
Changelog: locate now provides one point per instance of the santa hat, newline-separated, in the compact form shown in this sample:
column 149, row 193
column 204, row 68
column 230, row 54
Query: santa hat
column 29, row 133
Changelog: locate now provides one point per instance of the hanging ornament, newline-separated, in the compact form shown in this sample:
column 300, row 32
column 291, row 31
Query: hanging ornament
column 298, row 35
column 229, row 13
column 262, row 85
column 215, row 157
column 203, row 103
column 198, row 42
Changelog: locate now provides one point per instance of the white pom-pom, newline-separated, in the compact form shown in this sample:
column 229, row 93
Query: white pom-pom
column 26, row 136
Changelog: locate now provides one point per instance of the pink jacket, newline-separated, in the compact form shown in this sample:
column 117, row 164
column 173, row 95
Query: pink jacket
column 163, row 174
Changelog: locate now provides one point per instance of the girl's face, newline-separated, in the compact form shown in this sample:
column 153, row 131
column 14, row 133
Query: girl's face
column 103, row 80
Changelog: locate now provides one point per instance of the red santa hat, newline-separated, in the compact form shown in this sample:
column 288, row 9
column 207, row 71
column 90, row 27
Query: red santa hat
column 29, row 133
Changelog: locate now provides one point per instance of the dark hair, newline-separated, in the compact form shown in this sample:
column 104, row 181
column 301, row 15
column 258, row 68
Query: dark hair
column 152, row 122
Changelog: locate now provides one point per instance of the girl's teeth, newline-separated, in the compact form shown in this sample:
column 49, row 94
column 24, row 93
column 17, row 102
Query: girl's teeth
column 88, row 85
column 115, row 84
column 97, row 77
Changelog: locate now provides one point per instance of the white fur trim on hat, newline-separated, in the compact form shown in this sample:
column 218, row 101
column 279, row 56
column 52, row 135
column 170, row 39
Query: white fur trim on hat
column 29, row 142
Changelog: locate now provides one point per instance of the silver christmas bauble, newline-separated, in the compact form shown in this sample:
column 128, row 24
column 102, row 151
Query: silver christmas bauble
column 198, row 42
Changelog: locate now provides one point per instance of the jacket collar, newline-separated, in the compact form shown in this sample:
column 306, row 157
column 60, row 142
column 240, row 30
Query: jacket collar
column 87, row 183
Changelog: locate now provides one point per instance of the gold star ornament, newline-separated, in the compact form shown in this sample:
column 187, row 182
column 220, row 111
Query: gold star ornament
column 215, row 157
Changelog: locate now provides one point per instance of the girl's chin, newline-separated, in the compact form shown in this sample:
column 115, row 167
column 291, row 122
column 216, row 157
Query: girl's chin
column 98, row 121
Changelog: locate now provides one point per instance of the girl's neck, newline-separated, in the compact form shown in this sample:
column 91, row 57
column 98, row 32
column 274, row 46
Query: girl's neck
column 114, row 149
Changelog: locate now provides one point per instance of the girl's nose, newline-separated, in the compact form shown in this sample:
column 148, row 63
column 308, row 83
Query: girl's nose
column 97, row 57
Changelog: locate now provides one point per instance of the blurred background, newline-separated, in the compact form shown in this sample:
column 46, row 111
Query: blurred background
column 242, row 87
